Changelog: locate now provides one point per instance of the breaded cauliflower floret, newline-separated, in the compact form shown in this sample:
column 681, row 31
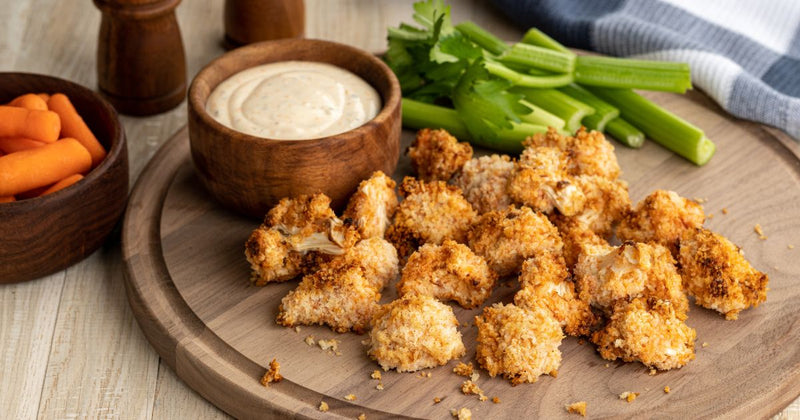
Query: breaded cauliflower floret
column 508, row 238
column 629, row 271
column 437, row 156
column 376, row 256
column 541, row 182
column 606, row 203
column 576, row 239
column 372, row 206
column 521, row 344
column 449, row 271
column 589, row 152
column 484, row 181
column 414, row 332
column 663, row 217
column 296, row 233
column 545, row 282
column 648, row 330
column 716, row 273
column 430, row 213
column 337, row 295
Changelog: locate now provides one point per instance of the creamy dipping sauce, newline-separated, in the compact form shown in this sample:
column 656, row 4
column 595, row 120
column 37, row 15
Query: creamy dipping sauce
column 293, row 100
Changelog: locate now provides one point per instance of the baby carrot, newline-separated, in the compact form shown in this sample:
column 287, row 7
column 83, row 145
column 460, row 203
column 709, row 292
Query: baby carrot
column 29, row 101
column 33, row 168
column 33, row 124
column 16, row 144
column 72, row 125
column 45, row 97
column 64, row 183
column 7, row 199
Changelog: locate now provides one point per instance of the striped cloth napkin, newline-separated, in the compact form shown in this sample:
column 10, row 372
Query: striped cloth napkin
column 745, row 54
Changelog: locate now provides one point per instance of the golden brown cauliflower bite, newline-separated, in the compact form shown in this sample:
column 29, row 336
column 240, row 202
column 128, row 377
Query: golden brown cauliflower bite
column 589, row 153
column 337, row 295
column 430, row 213
column 520, row 344
column 662, row 217
column 414, row 332
column 450, row 271
column 716, row 273
column 605, row 275
column 377, row 257
column 507, row 238
column 576, row 239
column 293, row 234
column 545, row 282
column 648, row 330
column 372, row 206
column 541, row 182
column 437, row 156
column 606, row 203
column 484, row 181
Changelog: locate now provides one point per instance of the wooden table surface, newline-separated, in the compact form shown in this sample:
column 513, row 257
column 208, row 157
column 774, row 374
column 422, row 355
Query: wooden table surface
column 69, row 345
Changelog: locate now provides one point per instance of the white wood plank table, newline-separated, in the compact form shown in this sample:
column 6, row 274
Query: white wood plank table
column 69, row 345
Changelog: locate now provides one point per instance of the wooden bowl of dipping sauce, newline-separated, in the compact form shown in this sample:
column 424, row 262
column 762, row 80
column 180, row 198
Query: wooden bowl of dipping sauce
column 45, row 234
column 250, row 173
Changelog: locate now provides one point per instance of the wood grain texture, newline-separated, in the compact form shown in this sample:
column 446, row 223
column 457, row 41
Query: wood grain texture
column 190, row 292
column 46, row 234
column 250, row 174
column 29, row 41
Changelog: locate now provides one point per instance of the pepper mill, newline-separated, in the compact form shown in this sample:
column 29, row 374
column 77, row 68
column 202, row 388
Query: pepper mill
column 248, row 21
column 141, row 66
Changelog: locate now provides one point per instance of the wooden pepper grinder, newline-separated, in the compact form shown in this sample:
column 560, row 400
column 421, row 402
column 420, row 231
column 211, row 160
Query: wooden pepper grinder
column 248, row 21
column 141, row 65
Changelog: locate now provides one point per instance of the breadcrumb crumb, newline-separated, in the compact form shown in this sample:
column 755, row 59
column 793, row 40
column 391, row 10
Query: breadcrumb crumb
column 705, row 344
column 376, row 374
column 577, row 408
column 362, row 416
column 463, row 369
column 273, row 374
column 471, row 388
column 760, row 231
column 666, row 389
column 724, row 210
column 496, row 400
column 297, row 329
column 350, row 397
column 379, row 387
column 310, row 340
column 790, row 246
column 332, row 345
column 474, row 377
column 652, row 372
column 629, row 396
column 323, row 406
column 463, row 414
column 437, row 400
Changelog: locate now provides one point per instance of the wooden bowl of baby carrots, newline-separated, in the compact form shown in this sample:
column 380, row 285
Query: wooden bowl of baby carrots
column 63, row 174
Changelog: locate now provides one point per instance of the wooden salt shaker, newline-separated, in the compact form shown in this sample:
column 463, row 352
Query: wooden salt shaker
column 141, row 66
column 248, row 21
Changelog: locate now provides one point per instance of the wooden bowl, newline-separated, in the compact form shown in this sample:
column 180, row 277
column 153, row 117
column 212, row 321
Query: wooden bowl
column 42, row 235
column 251, row 174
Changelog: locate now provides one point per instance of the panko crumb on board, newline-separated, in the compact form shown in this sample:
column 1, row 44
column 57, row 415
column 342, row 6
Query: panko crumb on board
column 429, row 213
column 463, row 369
column 576, row 408
column 463, row 414
column 716, row 273
column 667, row 390
column 647, row 330
column 662, row 217
column 545, row 282
column 372, row 206
column 323, row 406
column 628, row 396
column 484, row 182
column 436, row 155
column 760, row 231
column 450, row 271
column 362, row 416
column 471, row 388
column 517, row 343
column 506, row 239
column 350, row 397
column 414, row 332
column 376, row 374
column 273, row 374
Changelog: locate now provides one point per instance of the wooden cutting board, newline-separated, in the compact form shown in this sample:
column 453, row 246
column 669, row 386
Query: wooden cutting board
column 187, row 282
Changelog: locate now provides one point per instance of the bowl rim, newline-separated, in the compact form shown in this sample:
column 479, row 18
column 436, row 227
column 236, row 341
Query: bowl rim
column 390, row 103
column 117, row 143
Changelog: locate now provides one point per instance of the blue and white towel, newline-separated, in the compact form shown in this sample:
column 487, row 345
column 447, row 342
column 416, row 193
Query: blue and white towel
column 745, row 54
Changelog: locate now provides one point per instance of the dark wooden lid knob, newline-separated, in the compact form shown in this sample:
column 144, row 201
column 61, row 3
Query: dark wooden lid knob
column 248, row 21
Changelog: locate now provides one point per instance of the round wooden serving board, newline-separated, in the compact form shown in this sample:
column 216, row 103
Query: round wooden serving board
column 187, row 281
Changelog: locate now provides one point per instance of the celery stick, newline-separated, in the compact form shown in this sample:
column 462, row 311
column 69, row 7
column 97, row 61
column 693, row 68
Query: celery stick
column 520, row 79
column 635, row 74
column 539, row 116
column 539, row 38
column 666, row 128
column 482, row 37
column 603, row 111
column 569, row 109
column 539, row 58
column 418, row 115
column 625, row 133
